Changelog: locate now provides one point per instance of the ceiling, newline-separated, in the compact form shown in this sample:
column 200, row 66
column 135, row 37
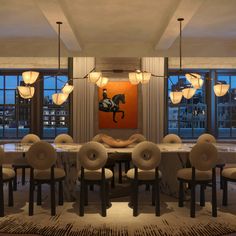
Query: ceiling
column 117, row 28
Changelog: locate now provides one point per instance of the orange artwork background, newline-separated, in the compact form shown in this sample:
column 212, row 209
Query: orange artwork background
column 130, row 108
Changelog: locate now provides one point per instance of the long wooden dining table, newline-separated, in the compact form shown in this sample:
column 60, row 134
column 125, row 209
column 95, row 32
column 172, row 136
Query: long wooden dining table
column 174, row 157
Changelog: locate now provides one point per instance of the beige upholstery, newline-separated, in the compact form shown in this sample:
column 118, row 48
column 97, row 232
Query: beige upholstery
column 146, row 155
column 186, row 174
column 63, row 138
column 46, row 174
column 93, row 156
column 8, row 173
column 206, row 138
column 30, row 138
column 41, row 155
column 143, row 174
column 98, row 137
column 96, row 174
column 229, row 173
column 203, row 156
column 137, row 137
column 172, row 138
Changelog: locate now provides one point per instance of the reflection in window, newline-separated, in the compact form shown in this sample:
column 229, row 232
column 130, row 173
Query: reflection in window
column 55, row 118
column 188, row 118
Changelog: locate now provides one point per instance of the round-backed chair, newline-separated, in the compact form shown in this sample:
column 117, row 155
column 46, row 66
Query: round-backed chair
column 172, row 138
column 21, row 163
column 42, row 157
column 228, row 175
column 146, row 158
column 6, row 176
column 93, row 157
column 203, row 159
column 63, row 138
column 208, row 138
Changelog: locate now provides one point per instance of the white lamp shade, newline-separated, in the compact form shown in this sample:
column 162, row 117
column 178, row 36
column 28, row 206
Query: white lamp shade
column 195, row 80
column 176, row 97
column 221, row 89
column 188, row 92
column 133, row 79
column 146, row 76
column 102, row 82
column 93, row 77
column 67, row 89
column 59, row 98
column 29, row 77
column 26, row 92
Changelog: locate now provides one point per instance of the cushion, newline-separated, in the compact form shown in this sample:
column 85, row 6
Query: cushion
column 30, row 138
column 63, row 138
column 46, row 174
column 172, row 138
column 229, row 173
column 96, row 174
column 8, row 173
column 206, row 138
column 143, row 174
column 186, row 174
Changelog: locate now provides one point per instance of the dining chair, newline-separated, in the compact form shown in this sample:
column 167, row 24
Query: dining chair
column 93, row 157
column 42, row 157
column 228, row 175
column 220, row 162
column 6, row 176
column 203, row 158
column 21, row 163
column 146, row 158
column 63, row 138
column 171, row 138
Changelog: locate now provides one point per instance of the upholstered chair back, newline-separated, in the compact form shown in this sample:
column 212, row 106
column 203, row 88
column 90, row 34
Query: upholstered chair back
column 146, row 156
column 30, row 138
column 139, row 138
column 172, row 138
column 41, row 155
column 2, row 155
column 206, row 138
column 93, row 156
column 203, row 156
column 63, row 138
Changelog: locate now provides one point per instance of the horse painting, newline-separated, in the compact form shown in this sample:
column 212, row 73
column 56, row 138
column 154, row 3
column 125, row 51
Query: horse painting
column 112, row 105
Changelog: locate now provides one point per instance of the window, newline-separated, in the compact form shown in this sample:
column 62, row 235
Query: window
column 188, row 118
column 55, row 118
column 14, row 111
column 226, row 106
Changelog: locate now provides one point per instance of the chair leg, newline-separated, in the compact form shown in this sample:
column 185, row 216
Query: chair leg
column 225, row 192
column 1, row 200
column 135, row 199
column 103, row 198
column 39, row 194
column 221, row 181
column 193, row 202
column 147, row 188
column 108, row 203
column 202, row 195
column 153, row 194
column 113, row 177
column 214, row 197
column 10, row 194
column 81, row 209
column 15, row 180
column 60, row 191
column 157, row 198
column 86, row 194
column 91, row 187
column 120, row 172
column 31, row 194
column 23, row 176
column 53, row 202
column 181, row 193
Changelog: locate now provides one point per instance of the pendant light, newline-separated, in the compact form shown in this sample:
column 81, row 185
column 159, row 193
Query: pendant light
column 139, row 77
column 67, row 89
column 29, row 77
column 188, row 92
column 102, row 82
column 26, row 92
column 221, row 89
column 59, row 98
column 93, row 77
column 195, row 79
column 176, row 96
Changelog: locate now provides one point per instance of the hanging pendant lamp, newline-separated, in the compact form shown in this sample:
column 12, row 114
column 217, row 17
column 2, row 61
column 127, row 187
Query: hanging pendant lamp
column 176, row 96
column 26, row 92
column 221, row 89
column 194, row 79
column 188, row 92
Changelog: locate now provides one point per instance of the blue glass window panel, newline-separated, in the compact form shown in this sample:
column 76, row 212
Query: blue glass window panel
column 10, row 96
column 1, row 97
column 49, row 82
column 11, row 81
column 1, row 82
column 61, row 81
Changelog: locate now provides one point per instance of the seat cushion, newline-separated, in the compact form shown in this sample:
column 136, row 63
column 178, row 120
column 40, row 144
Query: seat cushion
column 96, row 174
column 46, row 174
column 229, row 173
column 186, row 174
column 8, row 173
column 143, row 174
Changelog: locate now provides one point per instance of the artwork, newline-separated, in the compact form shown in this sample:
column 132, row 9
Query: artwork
column 118, row 105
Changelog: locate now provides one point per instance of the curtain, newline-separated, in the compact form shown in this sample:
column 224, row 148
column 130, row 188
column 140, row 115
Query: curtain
column 153, row 100
column 83, row 100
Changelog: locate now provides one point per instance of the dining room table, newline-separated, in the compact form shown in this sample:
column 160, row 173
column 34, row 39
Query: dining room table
column 174, row 157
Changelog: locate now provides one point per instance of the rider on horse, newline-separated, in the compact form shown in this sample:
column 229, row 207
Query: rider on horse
column 106, row 101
